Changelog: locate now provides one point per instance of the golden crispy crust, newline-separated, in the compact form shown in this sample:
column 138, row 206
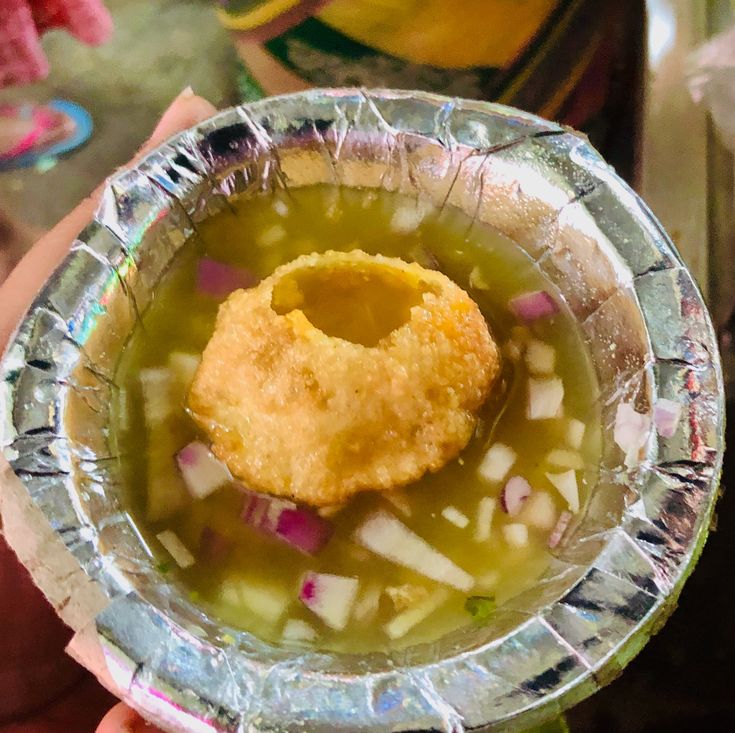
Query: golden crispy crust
column 295, row 412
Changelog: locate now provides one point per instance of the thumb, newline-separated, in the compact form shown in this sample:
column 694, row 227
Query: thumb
column 121, row 719
column 185, row 111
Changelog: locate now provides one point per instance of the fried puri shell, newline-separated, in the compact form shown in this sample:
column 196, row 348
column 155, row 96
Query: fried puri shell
column 343, row 372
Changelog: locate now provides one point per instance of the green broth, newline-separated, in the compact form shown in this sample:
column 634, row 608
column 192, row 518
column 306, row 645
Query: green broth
column 259, row 236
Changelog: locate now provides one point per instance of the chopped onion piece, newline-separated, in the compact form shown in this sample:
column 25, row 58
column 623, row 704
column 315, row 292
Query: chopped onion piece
column 631, row 432
column 496, row 463
column 229, row 593
column 330, row 597
column 405, row 596
column 540, row 511
column 218, row 280
column 280, row 207
column 332, row 208
column 263, row 512
column 565, row 459
column 575, row 433
column 540, row 357
column 516, row 535
column 514, row 494
column 403, row 622
column 213, row 546
column 176, row 548
column 267, row 601
column 297, row 526
column 399, row 499
column 561, row 527
column 455, row 517
column 183, row 366
column 271, row 236
column 297, row 630
column 123, row 408
column 303, row 530
column 157, row 402
column 274, row 510
column 388, row 537
column 161, row 403
column 485, row 511
column 202, row 471
column 666, row 416
column 368, row 199
column 367, row 605
column 408, row 218
column 545, row 398
column 531, row 306
column 566, row 484
column 255, row 512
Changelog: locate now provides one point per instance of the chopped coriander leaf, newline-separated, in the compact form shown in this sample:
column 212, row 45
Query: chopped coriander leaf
column 480, row 607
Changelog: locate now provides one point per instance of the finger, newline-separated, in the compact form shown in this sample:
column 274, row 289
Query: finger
column 88, row 20
column 36, row 267
column 187, row 110
column 121, row 719
column 25, row 61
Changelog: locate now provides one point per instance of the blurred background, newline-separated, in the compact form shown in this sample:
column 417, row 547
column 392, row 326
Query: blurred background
column 629, row 73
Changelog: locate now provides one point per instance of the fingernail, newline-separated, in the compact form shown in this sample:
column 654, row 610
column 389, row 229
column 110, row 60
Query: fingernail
column 186, row 93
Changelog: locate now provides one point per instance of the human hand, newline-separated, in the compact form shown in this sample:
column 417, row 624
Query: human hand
column 34, row 671
column 23, row 21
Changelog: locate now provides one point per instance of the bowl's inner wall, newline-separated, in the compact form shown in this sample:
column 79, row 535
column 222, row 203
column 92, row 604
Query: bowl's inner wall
column 540, row 217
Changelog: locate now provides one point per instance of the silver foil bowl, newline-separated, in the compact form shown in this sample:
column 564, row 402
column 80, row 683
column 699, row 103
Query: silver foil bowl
column 612, row 584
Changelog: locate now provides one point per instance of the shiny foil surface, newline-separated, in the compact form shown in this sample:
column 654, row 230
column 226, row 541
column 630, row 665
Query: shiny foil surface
column 613, row 581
